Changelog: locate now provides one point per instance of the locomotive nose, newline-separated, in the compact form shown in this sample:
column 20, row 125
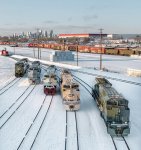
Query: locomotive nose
column 119, row 131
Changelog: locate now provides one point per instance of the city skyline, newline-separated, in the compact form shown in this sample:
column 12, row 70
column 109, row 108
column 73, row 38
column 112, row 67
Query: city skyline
column 66, row 16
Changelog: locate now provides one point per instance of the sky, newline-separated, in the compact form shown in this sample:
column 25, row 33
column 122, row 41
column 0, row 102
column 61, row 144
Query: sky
column 70, row 16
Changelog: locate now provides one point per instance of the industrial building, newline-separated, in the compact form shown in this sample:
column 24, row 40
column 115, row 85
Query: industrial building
column 86, row 35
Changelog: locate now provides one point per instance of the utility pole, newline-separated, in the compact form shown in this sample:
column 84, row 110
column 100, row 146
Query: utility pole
column 64, row 41
column 38, row 41
column 14, row 50
column 40, row 53
column 77, row 50
column 101, row 48
column 33, row 52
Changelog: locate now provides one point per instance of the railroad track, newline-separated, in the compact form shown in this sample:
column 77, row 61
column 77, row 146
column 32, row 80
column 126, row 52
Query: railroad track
column 122, row 142
column 95, row 96
column 32, row 145
column 77, row 130
column 84, row 85
column 7, row 87
column 111, row 78
column 6, row 111
column 8, row 84
column 32, row 123
column 66, row 132
column 16, row 109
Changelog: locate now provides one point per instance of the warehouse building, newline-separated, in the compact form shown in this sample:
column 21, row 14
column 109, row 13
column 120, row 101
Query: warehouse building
column 87, row 35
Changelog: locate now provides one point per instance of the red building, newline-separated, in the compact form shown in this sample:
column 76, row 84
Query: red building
column 87, row 35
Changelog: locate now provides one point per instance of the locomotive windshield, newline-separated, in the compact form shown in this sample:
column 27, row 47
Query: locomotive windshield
column 75, row 86
column 66, row 86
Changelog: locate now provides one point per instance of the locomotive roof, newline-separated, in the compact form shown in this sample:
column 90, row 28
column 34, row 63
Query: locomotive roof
column 24, row 59
column 112, row 93
column 103, row 81
column 34, row 62
column 19, row 62
column 107, row 87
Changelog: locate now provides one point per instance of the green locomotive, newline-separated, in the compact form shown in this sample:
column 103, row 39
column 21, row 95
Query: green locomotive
column 21, row 67
column 113, row 107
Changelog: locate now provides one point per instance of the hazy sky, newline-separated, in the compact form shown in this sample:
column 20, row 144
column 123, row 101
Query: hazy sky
column 70, row 16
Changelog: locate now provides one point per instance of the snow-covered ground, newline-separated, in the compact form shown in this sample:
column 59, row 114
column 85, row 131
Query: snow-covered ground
column 92, row 133
column 113, row 63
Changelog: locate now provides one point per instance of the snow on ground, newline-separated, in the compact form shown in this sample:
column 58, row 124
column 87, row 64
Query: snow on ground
column 6, row 101
column 52, row 134
column 92, row 133
column 91, row 128
column 47, row 62
column 131, row 92
column 114, row 63
column 6, row 70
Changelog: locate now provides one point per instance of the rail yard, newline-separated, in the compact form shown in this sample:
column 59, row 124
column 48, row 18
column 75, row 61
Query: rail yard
column 35, row 116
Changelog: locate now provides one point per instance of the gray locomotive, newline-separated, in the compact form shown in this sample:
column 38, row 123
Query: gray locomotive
column 34, row 73
column 113, row 107
column 21, row 67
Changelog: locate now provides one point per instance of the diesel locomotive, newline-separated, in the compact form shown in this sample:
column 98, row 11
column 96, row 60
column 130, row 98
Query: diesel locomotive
column 34, row 73
column 113, row 107
column 21, row 67
column 69, row 91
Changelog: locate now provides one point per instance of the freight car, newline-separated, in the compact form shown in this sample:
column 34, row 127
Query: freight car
column 126, row 51
column 21, row 67
column 70, row 92
column 87, row 49
column 34, row 73
column 72, row 47
column 112, row 51
column 113, row 107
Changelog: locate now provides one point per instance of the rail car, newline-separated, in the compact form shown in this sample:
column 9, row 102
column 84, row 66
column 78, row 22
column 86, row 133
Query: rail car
column 21, row 67
column 87, row 49
column 34, row 73
column 70, row 92
column 72, row 47
column 4, row 52
column 113, row 107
